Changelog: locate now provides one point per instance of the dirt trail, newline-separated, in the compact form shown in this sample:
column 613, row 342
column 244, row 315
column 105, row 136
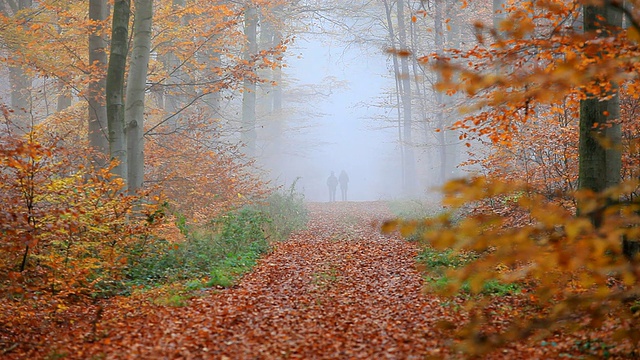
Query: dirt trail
column 337, row 290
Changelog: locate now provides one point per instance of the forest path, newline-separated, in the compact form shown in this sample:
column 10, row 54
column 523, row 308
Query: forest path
column 338, row 290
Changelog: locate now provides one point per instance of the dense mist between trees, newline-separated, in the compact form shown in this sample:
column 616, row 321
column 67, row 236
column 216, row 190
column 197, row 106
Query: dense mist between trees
column 341, row 135
column 346, row 123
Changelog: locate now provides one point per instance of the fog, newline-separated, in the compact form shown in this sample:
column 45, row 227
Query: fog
column 344, row 131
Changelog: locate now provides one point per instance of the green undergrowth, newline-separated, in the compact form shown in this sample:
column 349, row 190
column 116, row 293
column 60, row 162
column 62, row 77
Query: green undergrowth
column 436, row 263
column 218, row 253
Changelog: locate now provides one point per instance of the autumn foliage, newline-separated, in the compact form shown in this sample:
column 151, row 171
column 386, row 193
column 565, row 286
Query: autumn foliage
column 67, row 228
column 521, row 214
column 574, row 276
column 71, row 235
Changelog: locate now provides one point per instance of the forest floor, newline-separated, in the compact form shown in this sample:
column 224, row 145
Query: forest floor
column 338, row 290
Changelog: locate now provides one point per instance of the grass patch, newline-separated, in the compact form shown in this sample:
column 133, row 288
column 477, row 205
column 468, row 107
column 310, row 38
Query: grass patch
column 174, row 300
column 216, row 254
column 439, row 261
column 436, row 263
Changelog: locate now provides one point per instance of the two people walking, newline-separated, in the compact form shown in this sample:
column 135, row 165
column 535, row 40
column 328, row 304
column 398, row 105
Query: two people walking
column 332, row 183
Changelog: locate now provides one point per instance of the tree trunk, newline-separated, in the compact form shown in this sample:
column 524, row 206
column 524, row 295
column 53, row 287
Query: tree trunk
column 441, row 135
column 599, row 165
column 21, row 84
column 398, row 82
column 600, row 161
column 410, row 181
column 98, row 138
column 173, row 98
column 248, row 131
column 115, row 86
column 454, row 152
column 265, row 116
column 20, row 98
column 277, row 78
column 136, row 86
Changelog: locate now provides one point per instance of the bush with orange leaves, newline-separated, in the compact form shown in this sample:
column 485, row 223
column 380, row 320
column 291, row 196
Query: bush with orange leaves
column 67, row 229
column 579, row 278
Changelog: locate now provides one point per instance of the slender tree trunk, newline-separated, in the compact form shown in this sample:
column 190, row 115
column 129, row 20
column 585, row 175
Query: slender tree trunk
column 98, row 131
column 277, row 120
column 266, row 115
column 398, row 82
column 21, row 83
column 136, row 86
column 265, row 100
column 248, row 131
column 410, row 183
column 420, row 98
column 115, row 86
column 452, row 36
column 212, row 100
column 20, row 98
column 277, row 78
column 441, row 135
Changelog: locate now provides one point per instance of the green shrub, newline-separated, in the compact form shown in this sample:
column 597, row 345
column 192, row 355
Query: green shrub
column 220, row 251
column 239, row 229
column 205, row 249
column 286, row 211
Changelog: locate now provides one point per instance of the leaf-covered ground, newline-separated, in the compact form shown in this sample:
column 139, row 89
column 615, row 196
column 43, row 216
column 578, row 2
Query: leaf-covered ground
column 338, row 290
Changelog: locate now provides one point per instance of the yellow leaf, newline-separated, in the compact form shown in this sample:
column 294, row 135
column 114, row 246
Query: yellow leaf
column 407, row 228
column 633, row 34
column 628, row 278
column 575, row 228
column 475, row 284
column 389, row 226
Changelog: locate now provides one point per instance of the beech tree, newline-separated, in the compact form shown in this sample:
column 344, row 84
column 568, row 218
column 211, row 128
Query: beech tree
column 97, row 111
column 600, row 134
column 126, row 113
column 115, row 86
column 135, row 94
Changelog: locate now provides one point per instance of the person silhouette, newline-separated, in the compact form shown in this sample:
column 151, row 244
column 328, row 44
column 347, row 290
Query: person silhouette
column 332, row 183
column 344, row 181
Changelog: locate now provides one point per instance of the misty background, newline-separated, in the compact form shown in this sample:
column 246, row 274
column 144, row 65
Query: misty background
column 343, row 133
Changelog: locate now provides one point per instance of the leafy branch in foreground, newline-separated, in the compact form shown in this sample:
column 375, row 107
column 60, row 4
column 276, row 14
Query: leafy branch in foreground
column 577, row 275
